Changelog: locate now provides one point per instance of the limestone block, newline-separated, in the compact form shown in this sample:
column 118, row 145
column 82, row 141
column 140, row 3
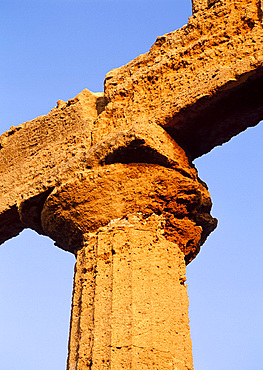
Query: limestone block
column 108, row 176
column 92, row 200
column 196, row 87
column 37, row 155
column 202, row 83
column 133, row 310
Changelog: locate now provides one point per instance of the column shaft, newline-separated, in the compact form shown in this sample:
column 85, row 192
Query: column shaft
column 130, row 304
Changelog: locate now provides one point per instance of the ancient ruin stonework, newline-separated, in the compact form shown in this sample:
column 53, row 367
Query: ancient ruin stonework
column 129, row 321
column 109, row 177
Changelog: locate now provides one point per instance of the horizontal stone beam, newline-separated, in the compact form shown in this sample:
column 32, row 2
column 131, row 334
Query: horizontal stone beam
column 198, row 86
column 202, row 83
column 42, row 154
column 37, row 155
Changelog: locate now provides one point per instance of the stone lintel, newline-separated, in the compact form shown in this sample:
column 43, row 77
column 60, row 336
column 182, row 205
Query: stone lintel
column 203, row 83
column 39, row 156
column 199, row 85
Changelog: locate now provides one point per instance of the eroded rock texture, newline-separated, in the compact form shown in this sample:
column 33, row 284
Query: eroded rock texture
column 98, row 196
column 132, row 227
column 199, row 85
column 63, row 149
column 202, row 83
column 109, row 177
column 122, row 317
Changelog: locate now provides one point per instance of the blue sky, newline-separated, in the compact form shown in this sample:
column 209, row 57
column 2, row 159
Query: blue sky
column 52, row 50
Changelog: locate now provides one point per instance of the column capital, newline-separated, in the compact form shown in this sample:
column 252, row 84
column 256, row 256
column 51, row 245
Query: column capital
column 97, row 197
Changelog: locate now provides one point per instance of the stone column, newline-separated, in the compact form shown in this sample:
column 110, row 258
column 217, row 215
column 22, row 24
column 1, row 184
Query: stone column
column 130, row 305
column 132, row 226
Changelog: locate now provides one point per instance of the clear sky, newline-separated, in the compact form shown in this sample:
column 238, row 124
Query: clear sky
column 52, row 50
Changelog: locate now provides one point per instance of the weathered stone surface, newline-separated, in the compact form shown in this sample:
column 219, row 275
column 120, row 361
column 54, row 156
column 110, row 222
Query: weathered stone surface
column 44, row 153
column 203, row 5
column 54, row 162
column 107, row 177
column 95, row 197
column 122, row 316
column 36, row 156
column 132, row 227
column 202, row 83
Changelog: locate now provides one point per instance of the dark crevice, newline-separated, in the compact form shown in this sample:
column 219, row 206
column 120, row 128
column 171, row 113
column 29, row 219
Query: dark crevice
column 210, row 3
column 13, row 130
column 30, row 211
column 137, row 152
column 101, row 103
column 10, row 224
column 260, row 10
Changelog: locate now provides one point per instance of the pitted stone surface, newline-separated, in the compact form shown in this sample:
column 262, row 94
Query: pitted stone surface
column 199, row 85
column 123, row 317
column 108, row 176
column 202, row 83
column 92, row 200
